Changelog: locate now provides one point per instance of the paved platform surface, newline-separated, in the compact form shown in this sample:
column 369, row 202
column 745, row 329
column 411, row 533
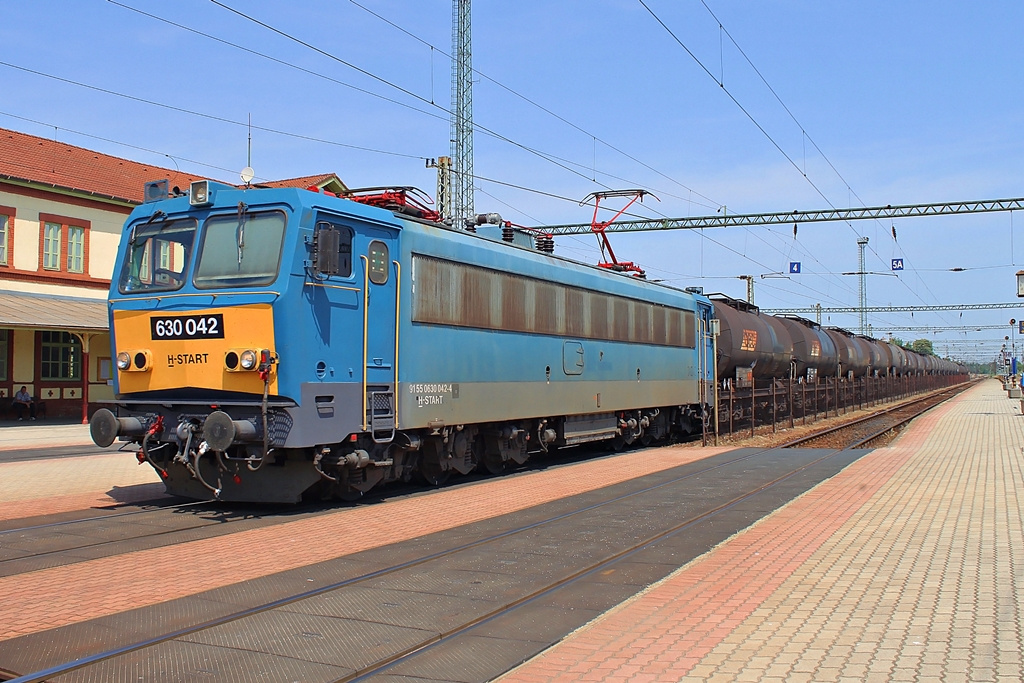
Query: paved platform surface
column 43, row 487
column 908, row 566
column 42, row 433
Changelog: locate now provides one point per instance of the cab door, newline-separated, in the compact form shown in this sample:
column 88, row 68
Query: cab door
column 381, row 282
column 706, row 361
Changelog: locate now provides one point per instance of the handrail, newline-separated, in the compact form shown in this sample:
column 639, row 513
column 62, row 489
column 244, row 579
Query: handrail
column 366, row 328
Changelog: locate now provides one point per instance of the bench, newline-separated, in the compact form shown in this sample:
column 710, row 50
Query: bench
column 7, row 411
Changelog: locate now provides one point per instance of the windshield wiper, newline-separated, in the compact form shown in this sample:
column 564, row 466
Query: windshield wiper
column 241, row 230
column 159, row 213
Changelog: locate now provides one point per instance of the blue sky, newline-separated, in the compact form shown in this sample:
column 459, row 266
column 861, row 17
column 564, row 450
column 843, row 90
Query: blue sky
column 909, row 102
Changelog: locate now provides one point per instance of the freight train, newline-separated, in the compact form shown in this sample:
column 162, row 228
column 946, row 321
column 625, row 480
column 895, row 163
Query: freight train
column 753, row 346
column 276, row 344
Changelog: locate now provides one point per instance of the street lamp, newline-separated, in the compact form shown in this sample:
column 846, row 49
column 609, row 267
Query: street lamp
column 1013, row 347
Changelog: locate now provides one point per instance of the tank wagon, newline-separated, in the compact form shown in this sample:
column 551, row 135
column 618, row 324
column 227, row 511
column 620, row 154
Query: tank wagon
column 788, row 367
column 753, row 345
column 278, row 343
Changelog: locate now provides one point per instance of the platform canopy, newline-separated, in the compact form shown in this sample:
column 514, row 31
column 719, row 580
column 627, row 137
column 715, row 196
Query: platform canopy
column 46, row 312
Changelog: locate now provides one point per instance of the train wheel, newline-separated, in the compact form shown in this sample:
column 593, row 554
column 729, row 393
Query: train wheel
column 350, row 495
column 492, row 462
column 433, row 474
column 432, row 469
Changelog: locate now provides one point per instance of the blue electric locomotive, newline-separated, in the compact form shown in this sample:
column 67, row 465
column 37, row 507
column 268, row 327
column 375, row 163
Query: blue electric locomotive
column 273, row 344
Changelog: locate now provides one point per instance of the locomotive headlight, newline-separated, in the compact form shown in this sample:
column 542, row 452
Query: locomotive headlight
column 199, row 193
column 241, row 360
column 248, row 359
column 134, row 361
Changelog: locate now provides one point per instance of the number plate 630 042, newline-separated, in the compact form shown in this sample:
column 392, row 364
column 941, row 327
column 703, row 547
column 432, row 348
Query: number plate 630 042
column 209, row 326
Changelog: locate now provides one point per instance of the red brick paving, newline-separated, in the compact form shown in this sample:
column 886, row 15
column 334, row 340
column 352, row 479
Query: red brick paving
column 777, row 601
column 64, row 595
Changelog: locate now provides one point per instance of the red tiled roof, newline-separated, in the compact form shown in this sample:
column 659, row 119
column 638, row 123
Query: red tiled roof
column 38, row 160
column 58, row 164
column 304, row 181
column 322, row 180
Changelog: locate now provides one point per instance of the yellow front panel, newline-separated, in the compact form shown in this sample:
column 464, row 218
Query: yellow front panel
column 194, row 362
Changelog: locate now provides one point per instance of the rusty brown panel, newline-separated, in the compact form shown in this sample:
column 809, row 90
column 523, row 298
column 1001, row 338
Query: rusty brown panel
column 575, row 323
column 620, row 322
column 545, row 310
column 476, row 297
column 453, row 293
column 641, row 322
column 660, row 331
column 434, row 302
column 513, row 304
column 675, row 328
column 598, row 316
column 689, row 329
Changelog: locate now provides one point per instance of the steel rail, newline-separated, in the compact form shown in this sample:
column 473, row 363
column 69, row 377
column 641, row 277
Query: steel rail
column 89, row 660
column 943, row 394
column 398, row 657
column 579, row 574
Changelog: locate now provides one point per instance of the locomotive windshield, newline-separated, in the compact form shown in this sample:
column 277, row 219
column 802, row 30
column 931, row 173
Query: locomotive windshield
column 240, row 250
column 157, row 256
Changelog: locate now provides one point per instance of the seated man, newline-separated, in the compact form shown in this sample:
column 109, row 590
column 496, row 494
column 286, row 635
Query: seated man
column 23, row 400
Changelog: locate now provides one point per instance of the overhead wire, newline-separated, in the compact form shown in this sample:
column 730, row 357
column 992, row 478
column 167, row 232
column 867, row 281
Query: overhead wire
column 821, row 152
column 551, row 158
column 212, row 117
column 554, row 159
column 173, row 157
column 390, row 100
column 384, row 81
column 539, row 106
column 720, row 82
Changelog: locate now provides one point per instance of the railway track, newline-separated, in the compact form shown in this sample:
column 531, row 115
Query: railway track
column 877, row 428
column 68, row 541
column 496, row 575
column 506, row 584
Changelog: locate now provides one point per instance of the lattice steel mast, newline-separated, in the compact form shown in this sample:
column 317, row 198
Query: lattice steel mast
column 462, row 113
column 739, row 220
column 862, row 272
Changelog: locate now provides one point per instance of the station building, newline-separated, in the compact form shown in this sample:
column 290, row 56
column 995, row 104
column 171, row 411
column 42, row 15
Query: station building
column 62, row 208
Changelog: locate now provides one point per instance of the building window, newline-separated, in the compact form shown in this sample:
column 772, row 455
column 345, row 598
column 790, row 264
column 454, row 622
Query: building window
column 4, row 237
column 165, row 256
column 5, row 344
column 64, row 244
column 51, row 246
column 76, row 248
column 60, row 356
column 7, row 214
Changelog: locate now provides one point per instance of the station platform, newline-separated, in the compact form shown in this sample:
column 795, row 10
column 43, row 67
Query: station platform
column 15, row 435
column 906, row 565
